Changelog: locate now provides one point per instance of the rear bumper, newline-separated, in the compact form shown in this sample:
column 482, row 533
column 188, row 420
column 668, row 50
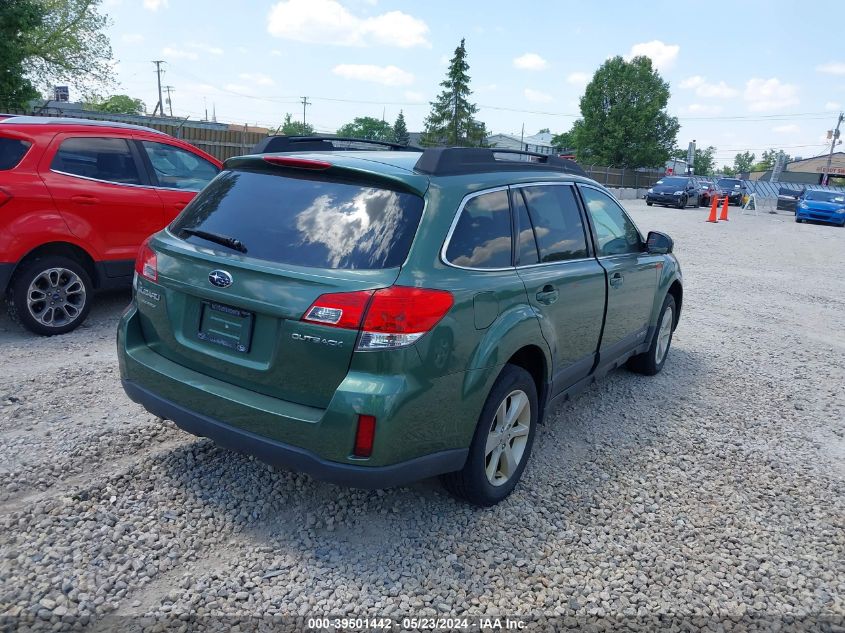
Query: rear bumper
column 6, row 271
column 293, row 457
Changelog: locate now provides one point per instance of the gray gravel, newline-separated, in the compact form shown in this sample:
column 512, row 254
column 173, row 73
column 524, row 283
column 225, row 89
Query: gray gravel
column 712, row 492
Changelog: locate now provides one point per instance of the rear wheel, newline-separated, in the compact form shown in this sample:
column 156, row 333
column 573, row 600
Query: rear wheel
column 651, row 361
column 649, row 202
column 50, row 295
column 502, row 442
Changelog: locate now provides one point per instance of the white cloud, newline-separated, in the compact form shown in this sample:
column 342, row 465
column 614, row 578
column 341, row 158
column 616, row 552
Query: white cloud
column 720, row 90
column 276, row 52
column 329, row 22
column 530, row 61
column 387, row 75
column 832, row 68
column 785, row 129
column 692, row 82
column 661, row 54
column 155, row 5
column 178, row 53
column 410, row 95
column 535, row 96
column 833, row 106
column 205, row 48
column 257, row 78
column 578, row 78
column 132, row 38
column 703, row 108
column 763, row 95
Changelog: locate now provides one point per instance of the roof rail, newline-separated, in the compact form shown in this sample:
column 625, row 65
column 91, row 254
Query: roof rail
column 448, row 161
column 26, row 119
column 283, row 143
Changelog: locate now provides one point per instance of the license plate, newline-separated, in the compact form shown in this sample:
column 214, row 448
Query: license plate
column 227, row 326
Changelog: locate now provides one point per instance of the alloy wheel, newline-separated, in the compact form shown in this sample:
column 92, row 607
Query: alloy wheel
column 664, row 335
column 508, row 438
column 56, row 297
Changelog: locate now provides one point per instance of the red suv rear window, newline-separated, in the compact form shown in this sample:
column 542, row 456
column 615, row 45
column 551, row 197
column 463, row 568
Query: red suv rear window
column 12, row 151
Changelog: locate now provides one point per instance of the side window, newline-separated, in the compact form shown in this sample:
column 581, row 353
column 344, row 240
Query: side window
column 177, row 168
column 557, row 222
column 616, row 234
column 102, row 158
column 526, row 245
column 11, row 152
column 482, row 236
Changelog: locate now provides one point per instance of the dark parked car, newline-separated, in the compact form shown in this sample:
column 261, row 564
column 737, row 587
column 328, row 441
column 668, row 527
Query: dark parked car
column 674, row 191
column 788, row 198
column 374, row 318
column 733, row 188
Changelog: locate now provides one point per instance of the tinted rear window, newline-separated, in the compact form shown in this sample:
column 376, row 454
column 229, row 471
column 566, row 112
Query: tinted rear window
column 305, row 222
column 11, row 152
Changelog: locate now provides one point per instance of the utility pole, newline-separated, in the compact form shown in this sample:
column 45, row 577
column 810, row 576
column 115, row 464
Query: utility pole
column 305, row 103
column 169, row 100
column 833, row 140
column 160, row 106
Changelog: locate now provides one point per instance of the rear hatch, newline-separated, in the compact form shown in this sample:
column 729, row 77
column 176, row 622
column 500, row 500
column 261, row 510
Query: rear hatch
column 237, row 270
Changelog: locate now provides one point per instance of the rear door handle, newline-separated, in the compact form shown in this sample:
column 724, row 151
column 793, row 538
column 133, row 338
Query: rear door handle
column 548, row 295
column 84, row 199
column 616, row 280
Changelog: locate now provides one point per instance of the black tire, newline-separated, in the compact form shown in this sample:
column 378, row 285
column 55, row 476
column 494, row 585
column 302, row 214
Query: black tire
column 648, row 362
column 649, row 202
column 682, row 202
column 799, row 220
column 73, row 295
column 471, row 483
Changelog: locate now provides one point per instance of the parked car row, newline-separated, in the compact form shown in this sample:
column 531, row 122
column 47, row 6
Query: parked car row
column 78, row 197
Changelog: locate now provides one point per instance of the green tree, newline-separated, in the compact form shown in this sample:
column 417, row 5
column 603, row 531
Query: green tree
column 624, row 120
column 367, row 127
column 704, row 162
column 69, row 45
column 17, row 20
column 451, row 120
column 295, row 128
column 564, row 140
column 728, row 171
column 743, row 162
column 545, row 130
column 400, row 130
column 118, row 104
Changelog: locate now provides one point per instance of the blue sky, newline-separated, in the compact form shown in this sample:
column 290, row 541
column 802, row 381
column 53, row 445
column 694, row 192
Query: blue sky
column 743, row 75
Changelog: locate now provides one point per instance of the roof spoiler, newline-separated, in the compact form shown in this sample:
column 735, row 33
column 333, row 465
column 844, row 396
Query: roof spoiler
column 326, row 144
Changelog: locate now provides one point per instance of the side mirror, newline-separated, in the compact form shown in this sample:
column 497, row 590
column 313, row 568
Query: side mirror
column 659, row 243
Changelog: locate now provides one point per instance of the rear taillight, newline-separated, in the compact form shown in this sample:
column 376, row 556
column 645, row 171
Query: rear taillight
column 146, row 264
column 4, row 197
column 389, row 318
column 364, row 436
column 341, row 309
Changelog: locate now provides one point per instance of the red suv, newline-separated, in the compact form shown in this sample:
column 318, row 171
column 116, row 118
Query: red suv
column 77, row 198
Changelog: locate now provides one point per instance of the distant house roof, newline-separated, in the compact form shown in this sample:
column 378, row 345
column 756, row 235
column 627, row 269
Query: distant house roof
column 541, row 139
column 818, row 164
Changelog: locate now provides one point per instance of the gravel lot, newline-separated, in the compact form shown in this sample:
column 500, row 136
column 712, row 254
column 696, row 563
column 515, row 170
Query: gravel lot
column 712, row 492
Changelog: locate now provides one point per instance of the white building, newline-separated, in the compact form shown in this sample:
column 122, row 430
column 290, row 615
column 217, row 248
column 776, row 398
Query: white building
column 540, row 143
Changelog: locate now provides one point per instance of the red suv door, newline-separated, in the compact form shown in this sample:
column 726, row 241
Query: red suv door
column 101, row 189
column 177, row 172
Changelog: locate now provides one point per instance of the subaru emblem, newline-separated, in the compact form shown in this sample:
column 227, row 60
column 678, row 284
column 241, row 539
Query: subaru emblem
column 220, row 278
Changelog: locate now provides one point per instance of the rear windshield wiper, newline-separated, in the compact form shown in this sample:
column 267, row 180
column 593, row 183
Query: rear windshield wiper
column 225, row 240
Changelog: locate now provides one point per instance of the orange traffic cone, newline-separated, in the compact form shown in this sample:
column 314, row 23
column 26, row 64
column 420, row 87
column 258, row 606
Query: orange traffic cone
column 724, row 215
column 713, row 208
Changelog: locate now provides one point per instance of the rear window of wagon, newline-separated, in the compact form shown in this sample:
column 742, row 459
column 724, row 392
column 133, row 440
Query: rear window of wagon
column 12, row 151
column 304, row 221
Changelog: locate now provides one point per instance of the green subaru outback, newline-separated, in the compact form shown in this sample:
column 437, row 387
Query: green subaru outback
column 377, row 317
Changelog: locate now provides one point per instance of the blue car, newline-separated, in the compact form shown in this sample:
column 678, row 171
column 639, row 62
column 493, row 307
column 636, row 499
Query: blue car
column 821, row 206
